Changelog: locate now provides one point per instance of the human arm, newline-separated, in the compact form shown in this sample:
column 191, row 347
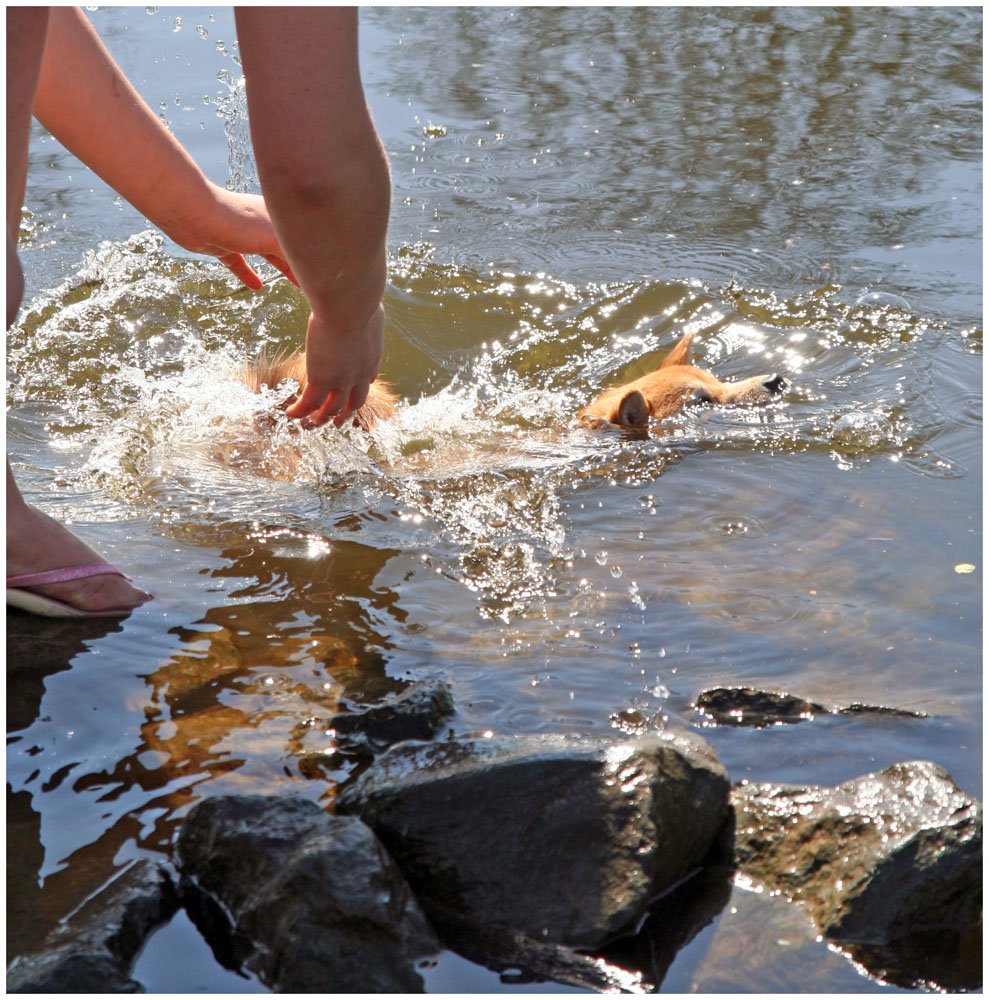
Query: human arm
column 325, row 181
column 87, row 103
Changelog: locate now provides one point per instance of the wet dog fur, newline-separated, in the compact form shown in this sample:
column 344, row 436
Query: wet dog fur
column 676, row 383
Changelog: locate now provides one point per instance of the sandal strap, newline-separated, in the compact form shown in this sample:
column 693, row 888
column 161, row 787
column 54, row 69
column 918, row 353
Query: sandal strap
column 63, row 574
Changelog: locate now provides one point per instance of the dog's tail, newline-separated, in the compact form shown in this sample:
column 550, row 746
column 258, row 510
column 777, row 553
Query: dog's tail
column 273, row 369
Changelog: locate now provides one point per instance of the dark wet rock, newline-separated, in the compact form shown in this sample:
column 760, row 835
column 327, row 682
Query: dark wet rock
column 745, row 706
column 93, row 951
column 563, row 839
column 888, row 865
column 417, row 713
column 856, row 708
column 316, row 903
column 636, row 964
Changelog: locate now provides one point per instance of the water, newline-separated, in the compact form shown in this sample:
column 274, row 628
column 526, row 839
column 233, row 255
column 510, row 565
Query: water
column 574, row 189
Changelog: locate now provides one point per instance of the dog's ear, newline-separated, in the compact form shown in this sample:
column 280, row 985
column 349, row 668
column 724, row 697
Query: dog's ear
column 633, row 411
column 680, row 355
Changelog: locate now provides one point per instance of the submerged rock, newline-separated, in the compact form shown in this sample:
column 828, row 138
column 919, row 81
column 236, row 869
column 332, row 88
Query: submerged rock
column 417, row 713
column 745, row 706
column 315, row 901
column 562, row 839
column 889, row 864
column 763, row 945
column 92, row 952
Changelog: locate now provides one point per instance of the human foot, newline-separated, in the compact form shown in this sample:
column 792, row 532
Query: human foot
column 37, row 543
column 22, row 591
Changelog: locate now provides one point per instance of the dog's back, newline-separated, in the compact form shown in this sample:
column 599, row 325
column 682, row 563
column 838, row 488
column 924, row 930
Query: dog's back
column 674, row 384
column 273, row 369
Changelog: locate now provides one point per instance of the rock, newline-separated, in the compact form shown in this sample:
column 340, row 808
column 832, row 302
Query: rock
column 323, row 907
column 745, row 706
column 560, row 838
column 889, row 864
column 94, row 950
column 418, row 713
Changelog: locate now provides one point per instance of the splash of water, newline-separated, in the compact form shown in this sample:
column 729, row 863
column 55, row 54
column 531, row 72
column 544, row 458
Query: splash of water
column 135, row 359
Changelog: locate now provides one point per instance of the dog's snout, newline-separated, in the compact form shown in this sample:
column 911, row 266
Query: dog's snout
column 775, row 383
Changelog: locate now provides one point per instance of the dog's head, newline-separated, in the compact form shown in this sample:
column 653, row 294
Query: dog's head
column 671, row 387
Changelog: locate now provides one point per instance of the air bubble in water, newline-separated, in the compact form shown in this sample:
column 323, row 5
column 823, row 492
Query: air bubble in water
column 860, row 430
column 880, row 299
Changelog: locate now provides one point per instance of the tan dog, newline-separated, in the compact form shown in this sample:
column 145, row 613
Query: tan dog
column 673, row 385
column 272, row 370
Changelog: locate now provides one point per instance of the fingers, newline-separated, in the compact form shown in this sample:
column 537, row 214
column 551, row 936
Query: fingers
column 356, row 401
column 241, row 269
column 317, row 407
column 307, row 404
column 283, row 265
column 238, row 266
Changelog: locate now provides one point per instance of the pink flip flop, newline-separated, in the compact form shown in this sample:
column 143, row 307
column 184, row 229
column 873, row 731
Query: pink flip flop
column 19, row 596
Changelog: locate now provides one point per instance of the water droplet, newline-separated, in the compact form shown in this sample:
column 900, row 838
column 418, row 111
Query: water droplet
column 601, row 558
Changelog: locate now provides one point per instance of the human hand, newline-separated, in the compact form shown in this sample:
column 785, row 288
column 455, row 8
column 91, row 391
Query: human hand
column 340, row 367
column 232, row 225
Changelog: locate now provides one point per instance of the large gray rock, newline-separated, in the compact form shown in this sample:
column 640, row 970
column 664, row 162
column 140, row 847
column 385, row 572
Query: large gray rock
column 889, row 864
column 322, row 904
column 94, row 950
column 560, row 838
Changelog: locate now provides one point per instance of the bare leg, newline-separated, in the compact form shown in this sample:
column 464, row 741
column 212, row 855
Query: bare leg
column 35, row 541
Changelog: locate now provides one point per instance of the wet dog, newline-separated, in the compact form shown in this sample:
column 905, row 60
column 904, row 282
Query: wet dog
column 675, row 384
column 672, row 386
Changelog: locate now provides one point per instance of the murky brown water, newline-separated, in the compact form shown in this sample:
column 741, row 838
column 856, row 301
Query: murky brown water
column 574, row 190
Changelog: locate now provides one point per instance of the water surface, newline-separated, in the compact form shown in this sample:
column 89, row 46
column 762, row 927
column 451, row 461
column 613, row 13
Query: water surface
column 574, row 189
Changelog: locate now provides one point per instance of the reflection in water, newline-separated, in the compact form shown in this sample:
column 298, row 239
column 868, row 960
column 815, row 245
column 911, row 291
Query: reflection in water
column 35, row 651
column 244, row 698
column 788, row 144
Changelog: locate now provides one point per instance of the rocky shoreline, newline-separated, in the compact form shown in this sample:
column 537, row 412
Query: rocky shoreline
column 582, row 860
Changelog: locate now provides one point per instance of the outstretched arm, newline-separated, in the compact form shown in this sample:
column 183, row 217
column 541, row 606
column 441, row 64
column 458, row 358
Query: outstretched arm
column 325, row 180
column 87, row 103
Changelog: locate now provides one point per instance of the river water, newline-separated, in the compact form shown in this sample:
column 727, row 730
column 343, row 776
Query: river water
column 574, row 189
